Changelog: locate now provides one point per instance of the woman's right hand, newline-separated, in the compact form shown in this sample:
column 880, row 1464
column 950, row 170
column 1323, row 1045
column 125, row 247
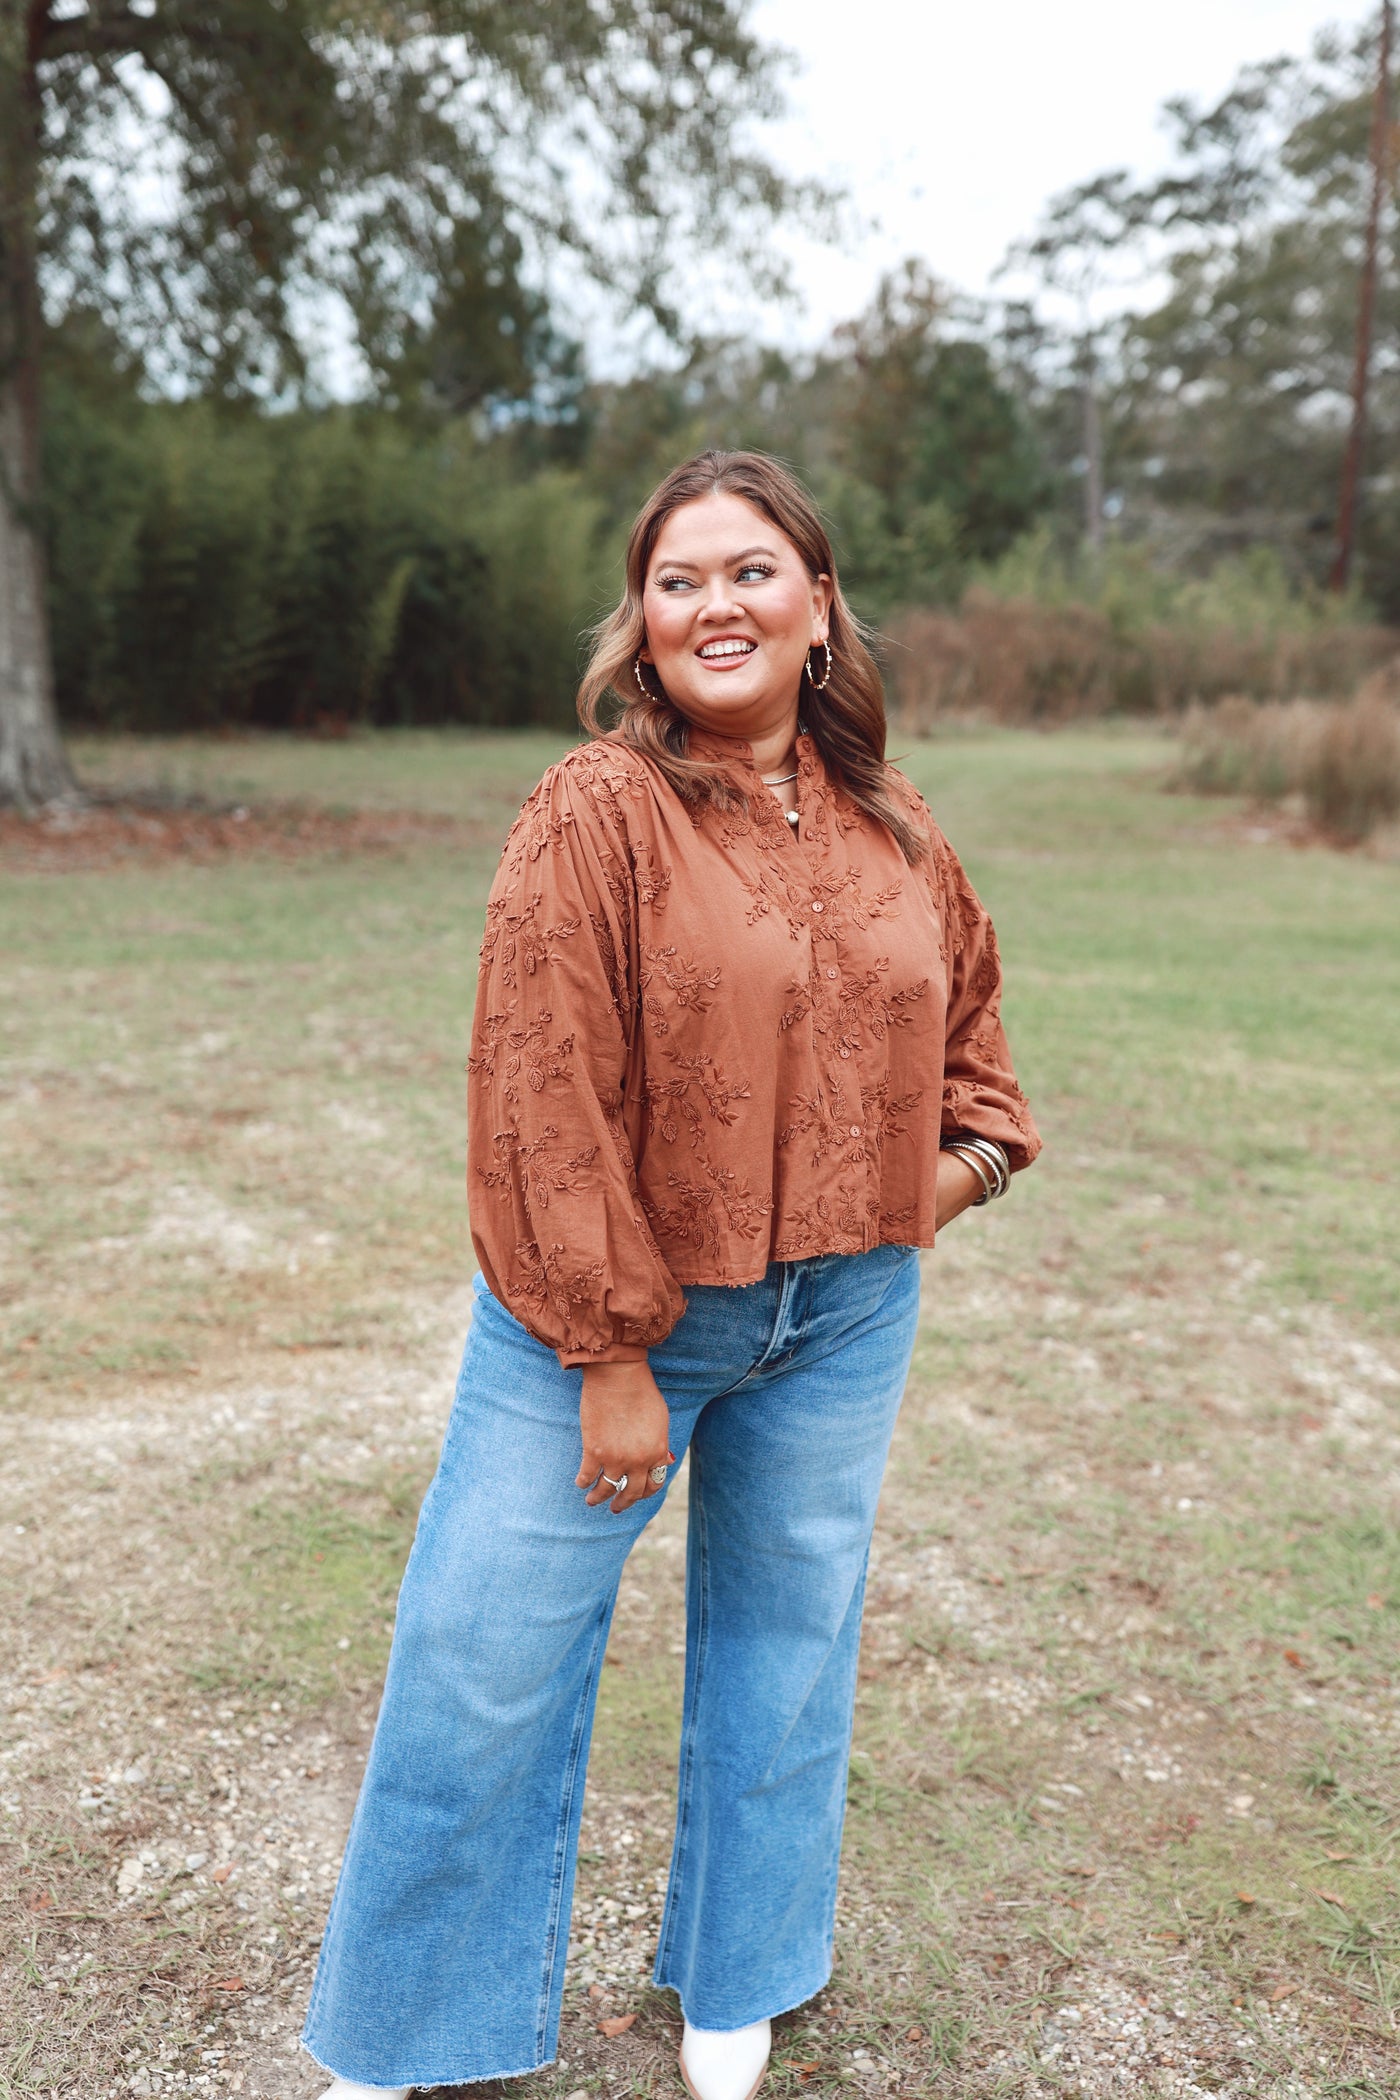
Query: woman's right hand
column 626, row 1427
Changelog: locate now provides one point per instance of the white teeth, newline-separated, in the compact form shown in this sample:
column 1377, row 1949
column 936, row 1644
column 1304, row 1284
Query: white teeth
column 728, row 649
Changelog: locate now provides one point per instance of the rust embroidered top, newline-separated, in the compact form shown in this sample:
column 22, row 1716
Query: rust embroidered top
column 706, row 1040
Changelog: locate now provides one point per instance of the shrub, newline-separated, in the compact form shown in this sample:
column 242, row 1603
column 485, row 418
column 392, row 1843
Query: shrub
column 1240, row 747
column 1351, row 783
column 1042, row 639
column 1342, row 759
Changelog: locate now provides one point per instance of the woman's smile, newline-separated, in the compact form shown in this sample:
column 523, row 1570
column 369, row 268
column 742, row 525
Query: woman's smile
column 725, row 652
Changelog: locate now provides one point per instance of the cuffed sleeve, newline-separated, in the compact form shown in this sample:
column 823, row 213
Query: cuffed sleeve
column 557, row 1225
column 980, row 1094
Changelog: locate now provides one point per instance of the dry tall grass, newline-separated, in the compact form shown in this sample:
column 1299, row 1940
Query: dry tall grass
column 1342, row 759
column 1021, row 660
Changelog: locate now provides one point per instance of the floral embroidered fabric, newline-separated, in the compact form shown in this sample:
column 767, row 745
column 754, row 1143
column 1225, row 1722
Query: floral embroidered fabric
column 705, row 1040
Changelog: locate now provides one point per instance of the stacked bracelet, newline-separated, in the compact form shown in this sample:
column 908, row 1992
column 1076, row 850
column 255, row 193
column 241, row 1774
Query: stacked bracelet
column 986, row 1157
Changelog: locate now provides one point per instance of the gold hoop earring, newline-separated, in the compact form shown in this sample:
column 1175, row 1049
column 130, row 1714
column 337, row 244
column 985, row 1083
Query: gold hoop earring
column 642, row 686
column 816, row 688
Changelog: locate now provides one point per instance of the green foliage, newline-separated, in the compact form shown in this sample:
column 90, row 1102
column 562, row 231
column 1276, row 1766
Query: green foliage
column 1250, row 592
column 210, row 567
column 214, row 183
column 905, row 427
column 212, row 564
column 891, row 555
column 923, row 418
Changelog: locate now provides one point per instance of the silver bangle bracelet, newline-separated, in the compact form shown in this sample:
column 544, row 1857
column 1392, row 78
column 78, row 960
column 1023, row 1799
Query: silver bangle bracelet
column 985, row 1154
column 1003, row 1171
column 996, row 1159
column 991, row 1151
column 966, row 1152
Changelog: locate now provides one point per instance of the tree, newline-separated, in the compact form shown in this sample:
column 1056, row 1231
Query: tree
column 1213, row 341
column 1088, row 237
column 32, row 764
column 916, row 413
column 218, row 185
column 1241, row 376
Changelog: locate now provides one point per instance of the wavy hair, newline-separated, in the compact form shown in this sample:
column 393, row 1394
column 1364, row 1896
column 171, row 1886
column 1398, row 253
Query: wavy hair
column 846, row 719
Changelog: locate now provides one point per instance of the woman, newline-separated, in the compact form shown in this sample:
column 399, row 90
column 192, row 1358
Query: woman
column 736, row 1056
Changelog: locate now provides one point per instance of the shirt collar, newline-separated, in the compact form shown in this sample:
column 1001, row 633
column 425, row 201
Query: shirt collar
column 738, row 751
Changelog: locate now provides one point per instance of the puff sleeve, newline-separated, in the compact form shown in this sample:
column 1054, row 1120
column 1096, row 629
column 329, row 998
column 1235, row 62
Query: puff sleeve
column 980, row 1094
column 556, row 1222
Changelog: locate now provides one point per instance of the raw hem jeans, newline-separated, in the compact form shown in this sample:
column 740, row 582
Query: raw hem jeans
column 443, row 1960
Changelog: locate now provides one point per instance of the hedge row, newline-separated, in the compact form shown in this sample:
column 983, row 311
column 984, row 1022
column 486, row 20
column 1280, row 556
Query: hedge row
column 210, row 567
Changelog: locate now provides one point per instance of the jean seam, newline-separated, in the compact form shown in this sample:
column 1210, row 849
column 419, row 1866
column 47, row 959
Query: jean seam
column 834, row 1879
column 686, row 1770
column 561, row 1849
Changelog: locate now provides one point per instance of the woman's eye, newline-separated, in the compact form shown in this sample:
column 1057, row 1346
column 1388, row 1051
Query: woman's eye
column 754, row 572
column 673, row 583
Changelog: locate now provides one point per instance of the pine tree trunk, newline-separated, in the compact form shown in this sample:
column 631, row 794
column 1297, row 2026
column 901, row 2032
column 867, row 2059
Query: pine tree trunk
column 1365, row 308
column 33, row 766
column 1093, row 454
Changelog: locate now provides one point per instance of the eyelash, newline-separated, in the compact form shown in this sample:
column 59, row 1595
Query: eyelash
column 750, row 568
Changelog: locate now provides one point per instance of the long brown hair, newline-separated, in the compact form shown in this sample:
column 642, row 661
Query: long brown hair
column 846, row 719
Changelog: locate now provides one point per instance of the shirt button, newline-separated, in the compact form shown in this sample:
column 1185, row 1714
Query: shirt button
column 831, row 973
column 818, row 906
column 855, row 1130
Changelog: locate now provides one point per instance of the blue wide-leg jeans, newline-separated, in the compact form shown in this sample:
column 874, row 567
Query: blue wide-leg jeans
column 443, row 1960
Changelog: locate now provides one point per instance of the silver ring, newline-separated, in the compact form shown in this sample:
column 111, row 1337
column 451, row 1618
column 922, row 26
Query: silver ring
column 618, row 1484
column 657, row 1475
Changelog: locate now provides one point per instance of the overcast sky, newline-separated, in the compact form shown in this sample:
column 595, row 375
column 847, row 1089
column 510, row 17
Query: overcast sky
column 952, row 124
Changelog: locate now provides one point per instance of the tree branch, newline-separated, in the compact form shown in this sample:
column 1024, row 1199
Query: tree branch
column 38, row 26
column 102, row 34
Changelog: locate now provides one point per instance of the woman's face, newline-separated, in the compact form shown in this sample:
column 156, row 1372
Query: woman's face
column 731, row 612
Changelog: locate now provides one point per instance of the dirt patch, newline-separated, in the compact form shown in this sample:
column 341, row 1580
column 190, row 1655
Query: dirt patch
column 140, row 834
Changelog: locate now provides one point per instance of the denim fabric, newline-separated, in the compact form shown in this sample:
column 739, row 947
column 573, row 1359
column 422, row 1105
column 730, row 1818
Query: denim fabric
column 443, row 1960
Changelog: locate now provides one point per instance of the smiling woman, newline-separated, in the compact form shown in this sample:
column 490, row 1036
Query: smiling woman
column 736, row 1056
column 725, row 627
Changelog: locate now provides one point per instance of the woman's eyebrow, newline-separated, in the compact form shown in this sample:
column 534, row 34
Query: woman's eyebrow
column 731, row 561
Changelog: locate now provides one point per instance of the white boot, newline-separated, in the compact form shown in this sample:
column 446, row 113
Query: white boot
column 725, row 2064
column 346, row 2089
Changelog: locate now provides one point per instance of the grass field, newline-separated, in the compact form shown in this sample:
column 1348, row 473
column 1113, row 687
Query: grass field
column 1124, row 1804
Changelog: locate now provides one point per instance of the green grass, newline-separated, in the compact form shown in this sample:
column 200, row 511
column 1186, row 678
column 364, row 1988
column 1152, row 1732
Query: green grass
column 1140, row 1520
column 472, row 774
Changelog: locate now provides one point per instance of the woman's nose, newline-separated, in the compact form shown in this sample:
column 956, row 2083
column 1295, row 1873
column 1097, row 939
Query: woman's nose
column 719, row 601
